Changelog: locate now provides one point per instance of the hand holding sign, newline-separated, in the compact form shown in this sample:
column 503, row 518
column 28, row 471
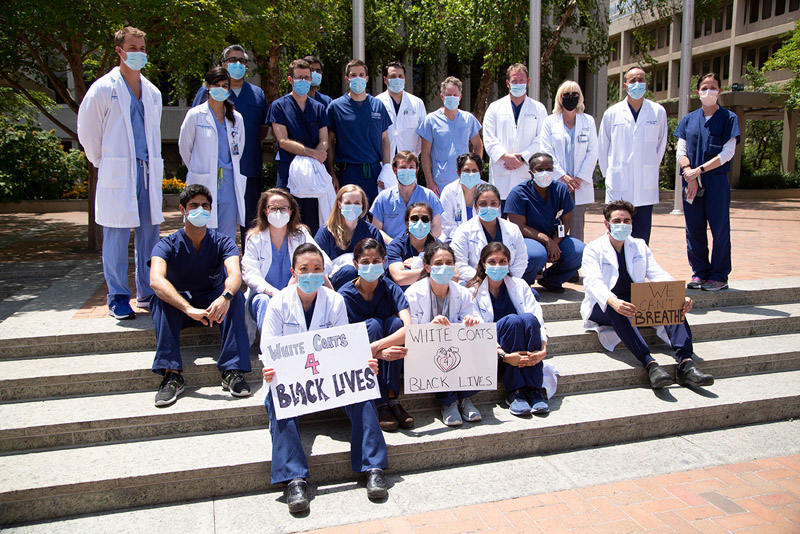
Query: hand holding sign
column 659, row 303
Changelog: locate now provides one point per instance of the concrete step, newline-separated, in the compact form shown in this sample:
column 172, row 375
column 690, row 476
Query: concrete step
column 59, row 483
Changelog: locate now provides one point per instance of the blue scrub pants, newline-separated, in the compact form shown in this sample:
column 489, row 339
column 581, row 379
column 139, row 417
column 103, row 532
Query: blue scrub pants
column 257, row 307
column 515, row 333
column 367, row 446
column 168, row 322
column 642, row 223
column 712, row 210
column 559, row 272
column 227, row 209
column 115, row 247
column 342, row 276
column 364, row 175
column 389, row 373
column 680, row 336
column 252, row 192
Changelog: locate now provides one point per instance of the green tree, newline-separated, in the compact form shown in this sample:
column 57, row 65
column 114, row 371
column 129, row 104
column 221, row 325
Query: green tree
column 788, row 57
column 762, row 149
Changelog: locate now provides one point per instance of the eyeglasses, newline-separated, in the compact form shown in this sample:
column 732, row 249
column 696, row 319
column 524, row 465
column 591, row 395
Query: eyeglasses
column 570, row 94
column 232, row 59
column 304, row 78
column 318, row 69
column 282, row 209
column 423, row 218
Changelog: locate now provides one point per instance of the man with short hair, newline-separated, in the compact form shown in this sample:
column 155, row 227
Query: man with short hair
column 446, row 134
column 195, row 275
column 631, row 143
column 119, row 126
column 406, row 110
column 250, row 101
column 316, row 80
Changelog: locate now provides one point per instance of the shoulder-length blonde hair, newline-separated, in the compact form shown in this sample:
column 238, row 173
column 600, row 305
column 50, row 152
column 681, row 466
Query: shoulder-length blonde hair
column 568, row 86
column 261, row 223
column 336, row 223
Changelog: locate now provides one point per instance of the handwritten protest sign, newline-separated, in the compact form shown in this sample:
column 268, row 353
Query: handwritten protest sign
column 319, row 370
column 658, row 303
column 450, row 358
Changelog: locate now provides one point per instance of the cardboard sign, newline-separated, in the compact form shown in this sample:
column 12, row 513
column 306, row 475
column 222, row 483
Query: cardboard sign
column 658, row 303
column 319, row 370
column 450, row 358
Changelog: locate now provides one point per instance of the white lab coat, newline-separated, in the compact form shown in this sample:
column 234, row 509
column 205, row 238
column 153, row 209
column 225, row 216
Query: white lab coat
column 104, row 130
column 419, row 299
column 197, row 143
column 454, row 209
column 601, row 272
column 521, row 296
column 501, row 135
column 403, row 131
column 285, row 315
column 554, row 140
column 469, row 239
column 308, row 178
column 630, row 152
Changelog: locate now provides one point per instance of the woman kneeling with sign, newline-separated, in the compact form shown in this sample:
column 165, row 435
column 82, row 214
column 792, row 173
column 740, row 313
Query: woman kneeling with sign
column 300, row 308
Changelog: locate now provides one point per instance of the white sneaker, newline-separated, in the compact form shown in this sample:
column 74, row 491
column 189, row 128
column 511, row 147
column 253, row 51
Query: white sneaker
column 469, row 412
column 450, row 415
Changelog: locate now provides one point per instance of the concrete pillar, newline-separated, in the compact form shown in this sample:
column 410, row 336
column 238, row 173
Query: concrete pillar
column 466, row 90
column 736, row 162
column 737, row 28
column 625, row 39
column 408, row 59
column 788, row 162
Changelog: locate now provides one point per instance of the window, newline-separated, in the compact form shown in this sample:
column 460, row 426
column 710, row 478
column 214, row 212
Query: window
column 709, row 26
column 749, row 57
column 794, row 5
column 666, row 79
column 718, row 24
column 662, row 34
column 716, row 65
column 659, row 81
column 726, row 67
column 780, row 7
column 763, row 56
column 696, row 68
column 776, row 47
column 766, row 9
column 754, row 11
column 729, row 17
column 614, row 52
column 698, row 29
column 706, row 65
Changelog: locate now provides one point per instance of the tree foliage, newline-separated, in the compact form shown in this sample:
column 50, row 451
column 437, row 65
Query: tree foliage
column 788, row 57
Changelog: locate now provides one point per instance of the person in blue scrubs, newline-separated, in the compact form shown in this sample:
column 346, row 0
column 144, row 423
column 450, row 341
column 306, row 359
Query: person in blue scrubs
column 317, row 69
column 388, row 209
column 251, row 102
column 195, row 275
column 301, row 129
column 380, row 303
column 446, row 134
column 522, row 342
column 707, row 140
column 346, row 226
column 542, row 209
column 358, row 145
column 404, row 254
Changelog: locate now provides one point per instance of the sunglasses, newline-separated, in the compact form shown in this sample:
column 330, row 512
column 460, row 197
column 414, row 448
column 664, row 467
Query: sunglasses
column 423, row 218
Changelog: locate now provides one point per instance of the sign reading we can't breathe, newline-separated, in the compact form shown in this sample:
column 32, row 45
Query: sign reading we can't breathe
column 319, row 370
column 658, row 303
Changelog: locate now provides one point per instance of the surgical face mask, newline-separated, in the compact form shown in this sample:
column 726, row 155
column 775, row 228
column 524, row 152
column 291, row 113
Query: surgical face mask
column 278, row 219
column 407, row 176
column 316, row 78
column 496, row 272
column 543, row 179
column 636, row 90
column 351, row 212
column 620, row 232
column 310, row 282
column 397, row 84
column 451, row 102
column 442, row 274
column 419, row 229
column 357, row 85
column 470, row 179
column 709, row 97
column 198, row 217
column 220, row 94
column 135, row 60
column 236, row 70
column 570, row 102
column 517, row 89
column 488, row 213
column 370, row 273
column 302, row 87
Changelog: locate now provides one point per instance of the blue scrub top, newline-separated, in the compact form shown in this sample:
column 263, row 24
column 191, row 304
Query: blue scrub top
column 502, row 305
column 301, row 125
column 193, row 270
column 622, row 289
column 705, row 139
column 387, row 301
column 498, row 237
column 390, row 209
column 525, row 200
column 449, row 139
column 309, row 313
column 359, row 128
column 223, row 150
column 252, row 104
column 137, row 125
column 327, row 243
column 278, row 275
column 401, row 249
column 325, row 100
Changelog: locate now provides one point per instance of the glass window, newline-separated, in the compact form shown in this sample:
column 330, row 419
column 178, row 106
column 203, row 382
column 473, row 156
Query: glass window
column 726, row 67
column 766, row 9
column 749, row 57
column 794, row 5
column 729, row 17
column 659, row 86
column 776, row 47
column 709, row 26
column 706, row 65
column 696, row 68
column 753, row 11
column 698, row 29
column 780, row 7
column 716, row 65
column 718, row 24
column 763, row 56
column 662, row 34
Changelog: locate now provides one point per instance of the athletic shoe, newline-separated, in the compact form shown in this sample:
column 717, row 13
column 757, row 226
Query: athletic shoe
column 450, row 415
column 234, row 382
column 517, row 403
column 170, row 388
column 469, row 412
column 143, row 304
column 714, row 285
column 121, row 309
column 539, row 401
column 696, row 283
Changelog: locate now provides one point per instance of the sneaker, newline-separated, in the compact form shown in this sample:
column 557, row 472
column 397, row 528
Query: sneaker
column 714, row 285
column 469, row 412
column 143, row 304
column 517, row 403
column 121, row 309
column 170, row 388
column 450, row 415
column 539, row 401
column 696, row 283
column 234, row 382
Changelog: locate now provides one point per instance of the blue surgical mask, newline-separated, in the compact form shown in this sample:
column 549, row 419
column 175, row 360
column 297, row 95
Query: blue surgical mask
column 496, row 272
column 198, row 217
column 470, row 179
column 488, row 213
column 636, row 90
column 442, row 274
column 419, row 229
column 517, row 89
column 302, row 87
column 357, row 85
column 370, row 273
column 135, row 60
column 236, row 70
column 310, row 282
column 397, row 84
column 543, row 179
column 220, row 94
column 316, row 78
column 451, row 102
column 407, row 176
column 620, row 232
column 351, row 212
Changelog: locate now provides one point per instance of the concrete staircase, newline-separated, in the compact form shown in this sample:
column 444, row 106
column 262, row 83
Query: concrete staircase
column 79, row 432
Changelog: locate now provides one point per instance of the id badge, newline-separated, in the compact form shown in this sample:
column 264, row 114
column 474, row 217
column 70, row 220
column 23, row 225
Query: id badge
column 583, row 138
column 561, row 232
column 235, row 149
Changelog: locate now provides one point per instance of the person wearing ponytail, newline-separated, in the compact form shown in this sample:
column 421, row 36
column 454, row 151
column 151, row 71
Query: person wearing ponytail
column 707, row 140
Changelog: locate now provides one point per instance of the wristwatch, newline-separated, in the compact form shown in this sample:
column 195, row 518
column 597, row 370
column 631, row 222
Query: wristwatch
column 702, row 169
column 228, row 295
column 502, row 355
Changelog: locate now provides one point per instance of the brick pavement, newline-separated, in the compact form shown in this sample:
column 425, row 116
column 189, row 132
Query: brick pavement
column 762, row 496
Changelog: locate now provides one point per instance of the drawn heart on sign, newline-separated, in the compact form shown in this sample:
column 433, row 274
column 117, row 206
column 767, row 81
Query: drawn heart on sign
column 447, row 359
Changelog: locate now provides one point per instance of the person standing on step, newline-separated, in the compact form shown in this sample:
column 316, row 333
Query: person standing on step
column 607, row 307
column 406, row 110
column 316, row 80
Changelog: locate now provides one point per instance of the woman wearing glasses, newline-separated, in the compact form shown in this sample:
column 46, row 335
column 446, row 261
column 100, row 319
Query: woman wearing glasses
column 404, row 254
column 458, row 197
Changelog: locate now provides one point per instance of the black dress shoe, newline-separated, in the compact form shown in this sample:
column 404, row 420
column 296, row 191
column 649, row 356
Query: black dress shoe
column 550, row 287
column 296, row 496
column 658, row 376
column 376, row 485
column 692, row 376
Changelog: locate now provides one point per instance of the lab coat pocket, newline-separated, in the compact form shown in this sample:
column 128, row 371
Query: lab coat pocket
column 651, row 133
column 156, row 172
column 113, row 172
column 618, row 179
column 649, row 177
column 206, row 179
